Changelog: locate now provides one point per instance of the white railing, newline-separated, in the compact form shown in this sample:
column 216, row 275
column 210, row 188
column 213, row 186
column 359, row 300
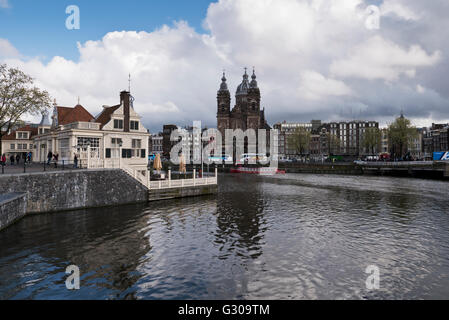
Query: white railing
column 144, row 179
column 168, row 184
column 81, row 125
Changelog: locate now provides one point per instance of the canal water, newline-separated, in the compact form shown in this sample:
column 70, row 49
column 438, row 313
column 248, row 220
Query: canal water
column 283, row 237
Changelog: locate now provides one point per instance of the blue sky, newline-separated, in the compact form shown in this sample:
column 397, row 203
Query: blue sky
column 37, row 28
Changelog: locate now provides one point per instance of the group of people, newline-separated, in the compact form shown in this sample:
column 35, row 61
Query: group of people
column 15, row 159
column 54, row 156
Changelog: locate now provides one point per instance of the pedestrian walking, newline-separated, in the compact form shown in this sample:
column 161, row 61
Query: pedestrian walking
column 3, row 160
column 11, row 159
column 75, row 161
column 29, row 155
column 56, row 158
column 18, row 158
column 49, row 157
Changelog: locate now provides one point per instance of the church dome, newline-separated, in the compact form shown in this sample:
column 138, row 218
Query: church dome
column 223, row 86
column 253, row 83
column 244, row 86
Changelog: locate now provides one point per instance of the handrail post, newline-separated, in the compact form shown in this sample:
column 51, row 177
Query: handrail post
column 194, row 176
column 169, row 178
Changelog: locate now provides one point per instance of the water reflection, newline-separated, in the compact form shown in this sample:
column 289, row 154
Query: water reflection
column 240, row 228
column 282, row 237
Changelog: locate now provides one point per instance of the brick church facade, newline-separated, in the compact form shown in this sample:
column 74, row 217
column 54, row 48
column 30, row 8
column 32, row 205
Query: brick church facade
column 247, row 113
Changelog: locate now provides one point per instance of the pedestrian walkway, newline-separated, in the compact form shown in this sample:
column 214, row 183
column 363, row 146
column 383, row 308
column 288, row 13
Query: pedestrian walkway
column 34, row 167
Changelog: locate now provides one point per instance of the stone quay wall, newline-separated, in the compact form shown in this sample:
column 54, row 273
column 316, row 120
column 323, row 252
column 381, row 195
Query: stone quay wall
column 12, row 208
column 75, row 189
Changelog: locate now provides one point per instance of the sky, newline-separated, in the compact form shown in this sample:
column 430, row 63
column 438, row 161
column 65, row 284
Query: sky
column 314, row 59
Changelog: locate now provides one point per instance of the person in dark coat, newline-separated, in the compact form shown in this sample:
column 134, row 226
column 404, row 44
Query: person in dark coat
column 11, row 158
column 18, row 158
column 49, row 157
column 56, row 158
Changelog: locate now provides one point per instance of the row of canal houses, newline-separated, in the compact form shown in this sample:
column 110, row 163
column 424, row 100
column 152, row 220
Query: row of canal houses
column 114, row 138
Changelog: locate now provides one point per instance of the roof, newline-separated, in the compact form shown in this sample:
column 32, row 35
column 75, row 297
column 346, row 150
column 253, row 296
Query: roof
column 105, row 116
column 28, row 128
column 70, row 115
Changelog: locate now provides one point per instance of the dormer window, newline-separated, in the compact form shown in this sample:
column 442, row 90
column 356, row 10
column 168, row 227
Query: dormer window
column 134, row 125
column 118, row 124
column 22, row 135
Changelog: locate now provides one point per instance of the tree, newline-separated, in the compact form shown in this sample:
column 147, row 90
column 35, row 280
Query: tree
column 18, row 97
column 372, row 139
column 299, row 141
column 333, row 143
column 400, row 132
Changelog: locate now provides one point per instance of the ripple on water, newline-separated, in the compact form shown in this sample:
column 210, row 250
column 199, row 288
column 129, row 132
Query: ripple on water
column 282, row 237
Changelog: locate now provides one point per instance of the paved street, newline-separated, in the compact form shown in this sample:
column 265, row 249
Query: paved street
column 33, row 167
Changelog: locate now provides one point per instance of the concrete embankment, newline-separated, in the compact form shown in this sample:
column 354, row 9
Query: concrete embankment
column 340, row 168
column 174, row 193
column 429, row 170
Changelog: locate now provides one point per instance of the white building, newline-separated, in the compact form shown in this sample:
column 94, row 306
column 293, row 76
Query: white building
column 115, row 138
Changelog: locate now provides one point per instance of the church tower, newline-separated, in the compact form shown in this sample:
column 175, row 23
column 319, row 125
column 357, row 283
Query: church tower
column 223, row 106
column 253, row 116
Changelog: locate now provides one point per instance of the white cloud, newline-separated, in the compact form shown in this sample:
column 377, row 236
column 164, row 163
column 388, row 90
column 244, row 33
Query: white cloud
column 315, row 86
column 312, row 57
column 378, row 58
column 396, row 8
column 7, row 50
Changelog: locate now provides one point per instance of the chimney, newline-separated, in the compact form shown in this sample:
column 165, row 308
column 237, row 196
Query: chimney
column 124, row 99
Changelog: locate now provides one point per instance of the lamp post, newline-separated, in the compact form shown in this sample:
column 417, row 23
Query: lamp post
column 120, row 154
column 88, row 154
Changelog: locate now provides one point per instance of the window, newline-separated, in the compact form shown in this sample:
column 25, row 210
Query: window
column 134, row 125
column 136, row 146
column 116, row 142
column 22, row 135
column 13, row 146
column 64, row 148
column 118, row 124
column 126, row 153
column 115, row 147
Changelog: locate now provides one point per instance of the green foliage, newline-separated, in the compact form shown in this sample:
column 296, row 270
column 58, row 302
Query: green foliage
column 372, row 139
column 333, row 143
column 299, row 141
column 400, row 132
column 18, row 96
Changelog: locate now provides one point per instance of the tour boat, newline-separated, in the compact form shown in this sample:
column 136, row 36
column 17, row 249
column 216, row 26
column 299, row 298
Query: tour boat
column 259, row 170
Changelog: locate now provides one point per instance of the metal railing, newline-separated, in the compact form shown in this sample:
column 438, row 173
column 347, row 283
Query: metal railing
column 29, row 167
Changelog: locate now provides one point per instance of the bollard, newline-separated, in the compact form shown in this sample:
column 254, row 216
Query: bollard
column 63, row 165
column 44, row 166
column 24, row 167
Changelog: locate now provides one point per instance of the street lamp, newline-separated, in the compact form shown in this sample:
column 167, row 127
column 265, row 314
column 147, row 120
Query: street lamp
column 120, row 144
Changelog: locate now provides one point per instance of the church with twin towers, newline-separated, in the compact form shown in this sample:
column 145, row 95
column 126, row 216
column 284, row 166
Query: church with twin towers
column 246, row 113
